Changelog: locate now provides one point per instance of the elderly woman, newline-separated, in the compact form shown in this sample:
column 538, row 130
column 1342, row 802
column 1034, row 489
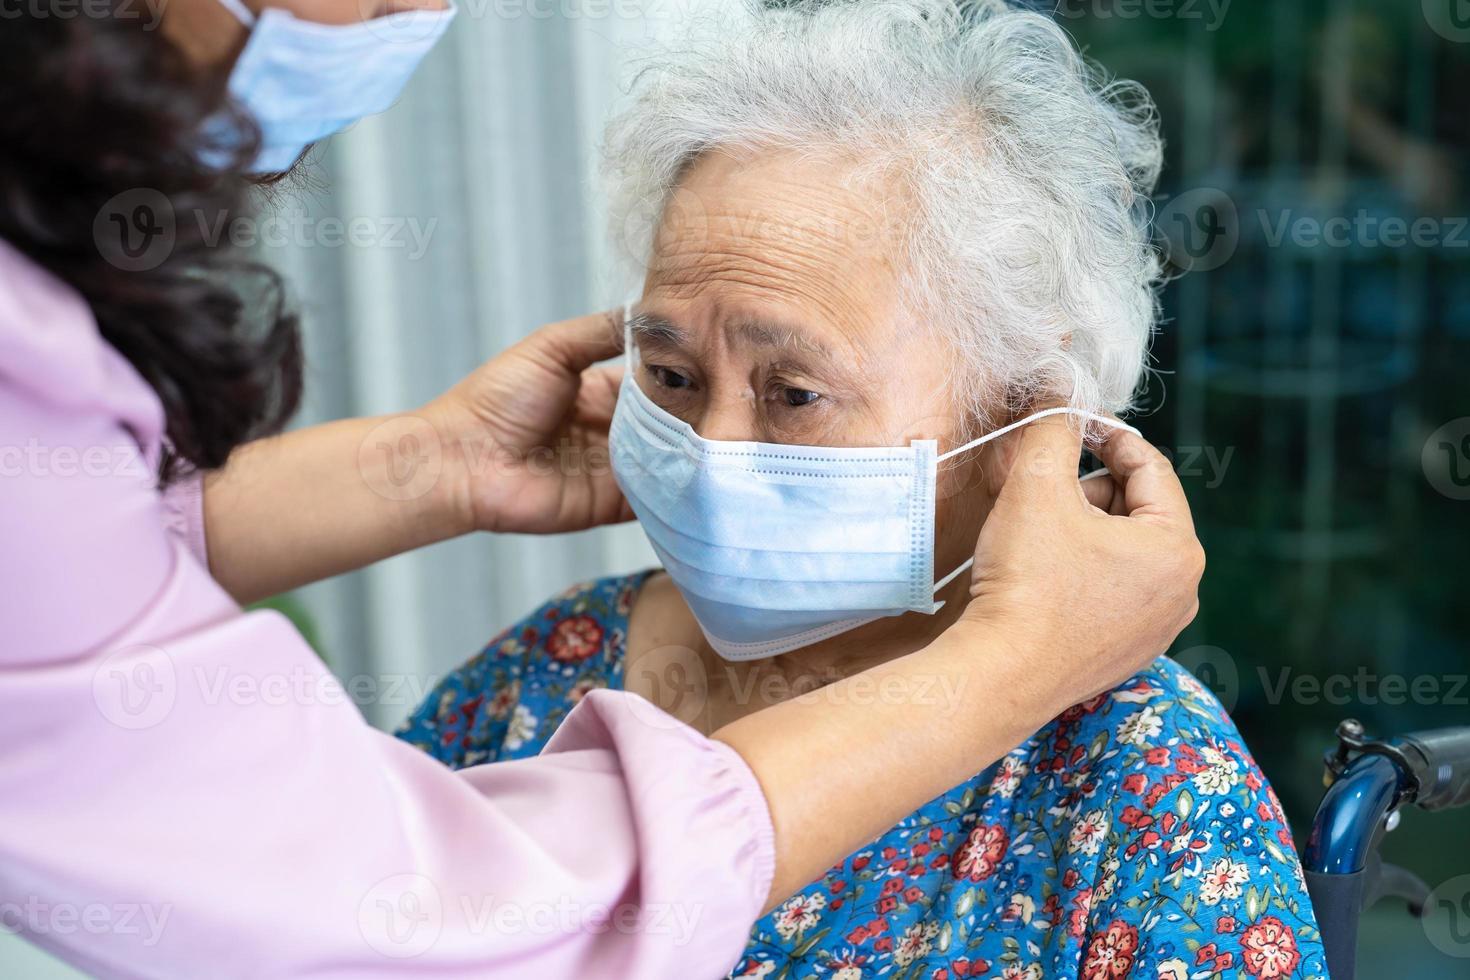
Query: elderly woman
column 880, row 232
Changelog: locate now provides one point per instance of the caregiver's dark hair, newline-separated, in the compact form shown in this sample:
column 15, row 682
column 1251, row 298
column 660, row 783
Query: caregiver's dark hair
column 102, row 106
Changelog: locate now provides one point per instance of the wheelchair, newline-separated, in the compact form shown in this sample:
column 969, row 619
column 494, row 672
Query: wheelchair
column 1369, row 782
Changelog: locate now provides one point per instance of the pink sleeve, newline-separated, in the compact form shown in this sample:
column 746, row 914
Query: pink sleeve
column 186, row 791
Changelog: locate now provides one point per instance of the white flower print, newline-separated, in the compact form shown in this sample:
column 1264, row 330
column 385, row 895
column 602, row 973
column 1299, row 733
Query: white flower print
column 916, row 942
column 1223, row 880
column 1021, row 908
column 1220, row 775
column 521, row 728
column 1140, row 727
column 1088, row 833
column 1173, row 970
column 1008, row 776
column 800, row 914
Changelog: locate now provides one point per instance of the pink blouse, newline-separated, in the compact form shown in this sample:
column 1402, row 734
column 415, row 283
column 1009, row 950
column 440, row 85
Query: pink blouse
column 185, row 790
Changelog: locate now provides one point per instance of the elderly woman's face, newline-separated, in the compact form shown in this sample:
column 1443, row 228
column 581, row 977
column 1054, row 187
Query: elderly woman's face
column 771, row 311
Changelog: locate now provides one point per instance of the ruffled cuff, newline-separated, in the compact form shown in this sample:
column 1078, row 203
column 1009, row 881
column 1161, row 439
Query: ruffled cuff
column 183, row 506
column 702, row 822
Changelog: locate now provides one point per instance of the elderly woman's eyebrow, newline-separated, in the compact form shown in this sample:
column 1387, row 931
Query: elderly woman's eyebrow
column 782, row 336
column 650, row 330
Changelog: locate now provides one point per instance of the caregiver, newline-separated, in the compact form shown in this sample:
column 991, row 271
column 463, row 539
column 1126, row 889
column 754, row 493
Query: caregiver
column 190, row 823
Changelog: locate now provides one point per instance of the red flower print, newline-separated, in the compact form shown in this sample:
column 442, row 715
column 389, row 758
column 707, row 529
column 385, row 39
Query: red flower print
column 857, row 935
column 575, row 639
column 887, row 904
column 913, row 894
column 892, row 887
column 1081, row 909
column 836, row 886
column 936, row 833
column 1110, row 954
column 884, row 945
column 921, row 849
column 1136, row 782
column 1225, row 925
column 1269, row 949
column 981, row 853
column 1158, row 756
column 861, row 861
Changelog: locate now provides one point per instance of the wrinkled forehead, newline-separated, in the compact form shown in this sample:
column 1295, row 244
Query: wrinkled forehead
column 777, row 250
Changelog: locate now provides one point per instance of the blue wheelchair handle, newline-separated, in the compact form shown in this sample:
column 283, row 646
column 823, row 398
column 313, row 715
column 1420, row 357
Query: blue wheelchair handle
column 1335, row 860
column 1371, row 779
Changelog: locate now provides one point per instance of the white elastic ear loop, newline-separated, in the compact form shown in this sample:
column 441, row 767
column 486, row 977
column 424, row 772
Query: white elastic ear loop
column 242, row 13
column 1111, row 423
column 1063, row 410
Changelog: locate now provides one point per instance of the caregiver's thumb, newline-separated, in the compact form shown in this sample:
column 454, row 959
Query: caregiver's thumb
column 1085, row 596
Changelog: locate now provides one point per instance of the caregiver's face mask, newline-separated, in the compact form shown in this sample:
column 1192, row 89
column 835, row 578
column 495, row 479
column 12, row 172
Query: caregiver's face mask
column 775, row 547
column 303, row 81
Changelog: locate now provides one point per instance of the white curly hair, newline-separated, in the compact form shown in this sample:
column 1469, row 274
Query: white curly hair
column 1028, row 169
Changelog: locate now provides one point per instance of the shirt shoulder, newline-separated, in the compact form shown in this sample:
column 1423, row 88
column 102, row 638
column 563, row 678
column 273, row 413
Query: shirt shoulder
column 506, row 702
column 1191, row 869
column 53, row 354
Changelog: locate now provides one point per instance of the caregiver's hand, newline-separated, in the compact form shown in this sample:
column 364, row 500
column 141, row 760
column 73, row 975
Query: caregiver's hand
column 519, row 445
column 526, row 434
column 1088, row 581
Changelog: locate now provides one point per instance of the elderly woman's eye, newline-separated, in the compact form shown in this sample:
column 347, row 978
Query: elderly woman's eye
column 669, row 378
column 797, row 397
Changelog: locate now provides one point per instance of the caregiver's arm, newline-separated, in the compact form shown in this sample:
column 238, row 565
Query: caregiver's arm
column 519, row 445
column 1071, row 595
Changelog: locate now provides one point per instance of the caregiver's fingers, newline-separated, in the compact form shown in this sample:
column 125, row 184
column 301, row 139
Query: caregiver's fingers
column 576, row 344
column 1149, row 484
column 598, row 398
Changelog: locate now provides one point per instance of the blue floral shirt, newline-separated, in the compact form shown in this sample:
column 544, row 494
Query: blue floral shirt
column 1134, row 836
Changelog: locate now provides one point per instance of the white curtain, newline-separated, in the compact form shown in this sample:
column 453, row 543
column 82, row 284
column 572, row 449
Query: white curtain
column 487, row 168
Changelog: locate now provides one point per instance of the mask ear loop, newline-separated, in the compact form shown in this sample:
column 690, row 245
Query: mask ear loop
column 242, row 13
column 1044, row 413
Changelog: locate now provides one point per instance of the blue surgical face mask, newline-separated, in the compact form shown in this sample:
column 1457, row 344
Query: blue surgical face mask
column 776, row 547
column 303, row 81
